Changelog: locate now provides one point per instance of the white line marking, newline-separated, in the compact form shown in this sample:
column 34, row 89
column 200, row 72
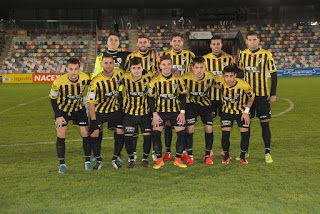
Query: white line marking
column 77, row 140
column 23, row 104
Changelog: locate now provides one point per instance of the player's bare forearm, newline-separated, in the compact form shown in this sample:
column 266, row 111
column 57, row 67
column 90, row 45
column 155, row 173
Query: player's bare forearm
column 92, row 111
column 250, row 102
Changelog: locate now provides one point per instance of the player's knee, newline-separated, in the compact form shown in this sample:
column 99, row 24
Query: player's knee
column 95, row 133
column 208, row 129
column 190, row 129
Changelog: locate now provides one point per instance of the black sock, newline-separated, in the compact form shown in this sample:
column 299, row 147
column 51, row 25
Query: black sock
column 189, row 143
column 225, row 143
column 146, row 146
column 61, row 148
column 118, row 145
column 86, row 147
column 157, row 145
column 244, row 144
column 100, row 139
column 180, row 143
column 96, row 145
column 266, row 135
column 168, row 137
column 129, row 146
column 135, row 141
column 209, row 142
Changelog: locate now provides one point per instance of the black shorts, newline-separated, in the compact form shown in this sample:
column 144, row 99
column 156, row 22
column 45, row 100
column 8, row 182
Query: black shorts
column 171, row 116
column 79, row 118
column 227, row 120
column 216, row 108
column 132, row 122
column 194, row 110
column 260, row 108
column 114, row 119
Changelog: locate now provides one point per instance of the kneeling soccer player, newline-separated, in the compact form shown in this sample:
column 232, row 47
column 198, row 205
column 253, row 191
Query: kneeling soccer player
column 66, row 100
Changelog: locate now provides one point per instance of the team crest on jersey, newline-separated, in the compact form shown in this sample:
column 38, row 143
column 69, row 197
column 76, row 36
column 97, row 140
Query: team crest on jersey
column 206, row 86
column 118, row 82
column 82, row 88
column 259, row 60
column 236, row 95
column 175, row 86
column 119, row 60
column 224, row 64
column 150, row 63
column 184, row 58
column 144, row 84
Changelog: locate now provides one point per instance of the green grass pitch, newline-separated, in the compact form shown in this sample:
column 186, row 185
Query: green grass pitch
column 30, row 182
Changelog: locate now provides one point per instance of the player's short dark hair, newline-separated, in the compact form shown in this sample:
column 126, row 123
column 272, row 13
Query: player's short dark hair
column 135, row 61
column 106, row 55
column 175, row 34
column 252, row 33
column 113, row 33
column 74, row 61
column 165, row 57
column 199, row 60
column 143, row 36
column 216, row 38
column 230, row 68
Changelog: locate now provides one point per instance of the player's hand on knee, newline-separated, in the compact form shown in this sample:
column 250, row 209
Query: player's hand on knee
column 246, row 118
column 156, row 120
column 60, row 121
column 181, row 119
column 272, row 98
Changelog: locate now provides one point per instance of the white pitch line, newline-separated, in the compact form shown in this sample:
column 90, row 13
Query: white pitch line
column 76, row 140
column 22, row 104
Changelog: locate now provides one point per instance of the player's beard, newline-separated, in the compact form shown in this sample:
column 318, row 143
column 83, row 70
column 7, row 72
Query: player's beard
column 143, row 50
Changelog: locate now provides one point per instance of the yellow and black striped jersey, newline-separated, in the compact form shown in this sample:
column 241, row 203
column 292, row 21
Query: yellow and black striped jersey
column 198, row 91
column 165, row 91
column 255, row 65
column 69, row 94
column 234, row 99
column 104, row 91
column 215, row 64
column 181, row 60
column 149, row 61
column 119, row 58
column 135, row 94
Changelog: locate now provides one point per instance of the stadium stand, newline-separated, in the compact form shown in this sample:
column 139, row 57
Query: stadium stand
column 44, row 56
column 293, row 45
column 210, row 27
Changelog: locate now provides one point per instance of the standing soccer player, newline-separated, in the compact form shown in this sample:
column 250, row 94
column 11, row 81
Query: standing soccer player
column 256, row 62
column 119, row 58
column 198, row 85
column 181, row 61
column 236, row 103
column 149, row 64
column 66, row 100
column 167, row 101
column 103, row 104
column 215, row 63
column 135, row 107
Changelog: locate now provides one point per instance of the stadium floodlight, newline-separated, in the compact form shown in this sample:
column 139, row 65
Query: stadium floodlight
column 314, row 23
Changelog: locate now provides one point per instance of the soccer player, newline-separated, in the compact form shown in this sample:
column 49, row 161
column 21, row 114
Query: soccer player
column 148, row 56
column 236, row 103
column 119, row 57
column 256, row 62
column 149, row 63
column 215, row 63
column 66, row 100
column 198, row 85
column 135, row 107
column 167, row 101
column 103, row 104
column 181, row 61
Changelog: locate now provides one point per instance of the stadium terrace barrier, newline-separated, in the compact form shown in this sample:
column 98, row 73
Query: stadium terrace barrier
column 298, row 72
